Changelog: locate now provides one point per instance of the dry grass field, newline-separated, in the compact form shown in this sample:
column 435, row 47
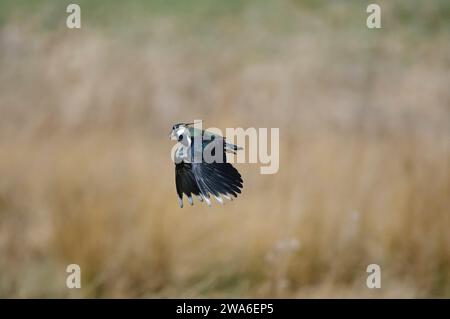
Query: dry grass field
column 85, row 169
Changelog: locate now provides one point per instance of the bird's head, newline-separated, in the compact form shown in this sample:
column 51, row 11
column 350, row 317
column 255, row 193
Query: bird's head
column 180, row 133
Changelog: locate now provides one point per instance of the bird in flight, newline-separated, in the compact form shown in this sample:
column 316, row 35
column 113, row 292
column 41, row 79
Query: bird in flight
column 201, row 168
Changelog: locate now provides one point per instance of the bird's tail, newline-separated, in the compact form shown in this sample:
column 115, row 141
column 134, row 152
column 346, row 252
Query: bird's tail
column 232, row 148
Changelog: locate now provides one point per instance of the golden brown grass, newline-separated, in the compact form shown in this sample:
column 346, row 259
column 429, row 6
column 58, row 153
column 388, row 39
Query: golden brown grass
column 86, row 175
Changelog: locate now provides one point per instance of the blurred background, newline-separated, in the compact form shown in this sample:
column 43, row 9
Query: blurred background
column 85, row 169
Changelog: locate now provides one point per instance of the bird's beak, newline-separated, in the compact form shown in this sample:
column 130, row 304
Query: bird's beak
column 172, row 136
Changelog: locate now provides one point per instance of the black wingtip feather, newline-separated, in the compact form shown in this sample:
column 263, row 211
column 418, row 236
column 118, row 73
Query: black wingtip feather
column 207, row 179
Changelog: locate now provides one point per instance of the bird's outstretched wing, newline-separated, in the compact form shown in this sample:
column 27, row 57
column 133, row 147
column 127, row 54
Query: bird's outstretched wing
column 207, row 179
column 217, row 179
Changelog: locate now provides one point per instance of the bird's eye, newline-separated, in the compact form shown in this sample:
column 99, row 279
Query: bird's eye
column 180, row 138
